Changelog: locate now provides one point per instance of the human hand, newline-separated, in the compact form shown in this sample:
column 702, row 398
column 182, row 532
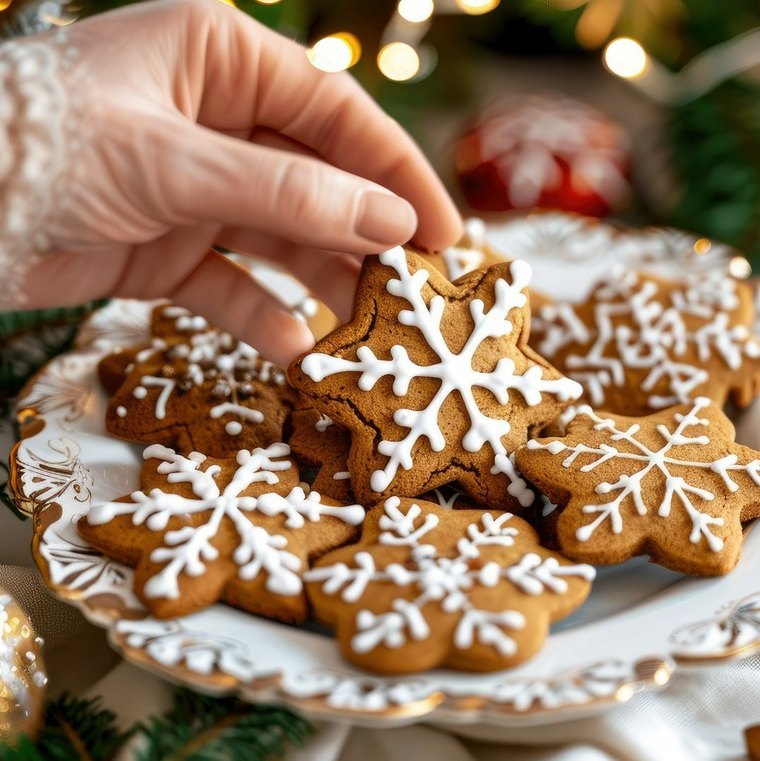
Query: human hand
column 182, row 109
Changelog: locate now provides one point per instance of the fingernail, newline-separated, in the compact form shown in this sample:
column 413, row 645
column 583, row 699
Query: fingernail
column 386, row 219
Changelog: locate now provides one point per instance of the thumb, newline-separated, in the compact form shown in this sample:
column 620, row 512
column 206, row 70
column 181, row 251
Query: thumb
column 214, row 178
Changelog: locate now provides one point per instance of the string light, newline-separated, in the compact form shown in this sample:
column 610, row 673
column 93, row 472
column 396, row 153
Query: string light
column 477, row 7
column 262, row 2
column 398, row 61
column 337, row 52
column 626, row 58
column 740, row 268
column 416, row 11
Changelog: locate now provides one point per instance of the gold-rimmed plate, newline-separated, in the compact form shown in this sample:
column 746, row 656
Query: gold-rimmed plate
column 640, row 623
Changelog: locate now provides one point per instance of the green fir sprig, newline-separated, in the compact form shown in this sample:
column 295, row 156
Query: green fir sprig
column 196, row 728
column 73, row 730
column 200, row 728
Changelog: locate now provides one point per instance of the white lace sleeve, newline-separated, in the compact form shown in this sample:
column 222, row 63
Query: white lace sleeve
column 35, row 135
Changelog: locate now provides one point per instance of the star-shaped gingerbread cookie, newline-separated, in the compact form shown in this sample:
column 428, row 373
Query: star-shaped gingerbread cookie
column 435, row 380
column 201, row 530
column 427, row 587
column 640, row 343
column 195, row 387
column 673, row 485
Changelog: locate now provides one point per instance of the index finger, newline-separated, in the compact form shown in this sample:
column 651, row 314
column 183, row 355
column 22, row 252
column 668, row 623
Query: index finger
column 329, row 113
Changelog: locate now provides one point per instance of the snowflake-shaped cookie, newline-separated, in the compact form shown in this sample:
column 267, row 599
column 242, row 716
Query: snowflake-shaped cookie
column 201, row 530
column 641, row 343
column 672, row 485
column 428, row 587
column 195, row 387
column 435, row 380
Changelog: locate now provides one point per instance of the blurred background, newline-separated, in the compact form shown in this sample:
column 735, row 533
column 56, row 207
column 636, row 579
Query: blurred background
column 646, row 111
column 675, row 85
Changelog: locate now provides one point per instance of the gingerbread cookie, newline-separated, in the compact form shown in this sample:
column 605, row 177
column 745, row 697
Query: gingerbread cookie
column 201, row 530
column 319, row 442
column 169, row 325
column 428, row 587
column 195, row 387
column 673, row 485
column 435, row 380
column 640, row 343
column 471, row 253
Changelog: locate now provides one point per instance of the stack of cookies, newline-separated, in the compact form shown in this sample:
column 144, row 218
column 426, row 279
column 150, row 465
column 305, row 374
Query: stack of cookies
column 434, row 480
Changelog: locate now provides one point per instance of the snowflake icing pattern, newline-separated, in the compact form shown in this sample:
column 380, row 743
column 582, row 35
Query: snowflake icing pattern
column 689, row 429
column 631, row 329
column 454, row 371
column 443, row 580
column 187, row 550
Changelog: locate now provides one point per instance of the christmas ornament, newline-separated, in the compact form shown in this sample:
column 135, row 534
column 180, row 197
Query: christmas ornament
column 547, row 151
column 22, row 674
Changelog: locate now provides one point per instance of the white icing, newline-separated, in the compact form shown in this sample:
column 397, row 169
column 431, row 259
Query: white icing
column 167, row 385
column 657, row 339
column 323, row 423
column 228, row 408
column 443, row 580
column 455, row 372
column 465, row 258
column 630, row 488
column 121, row 411
column 342, row 475
column 188, row 549
column 213, row 358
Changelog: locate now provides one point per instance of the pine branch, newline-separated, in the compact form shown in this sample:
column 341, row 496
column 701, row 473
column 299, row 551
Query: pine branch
column 29, row 339
column 199, row 728
column 73, row 729
column 716, row 144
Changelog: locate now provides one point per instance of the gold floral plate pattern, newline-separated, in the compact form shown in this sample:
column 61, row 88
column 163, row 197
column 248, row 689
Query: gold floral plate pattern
column 639, row 624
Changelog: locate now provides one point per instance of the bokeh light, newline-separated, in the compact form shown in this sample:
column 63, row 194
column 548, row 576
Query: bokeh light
column 398, row 61
column 416, row 11
column 476, row 7
column 337, row 52
column 740, row 268
column 626, row 58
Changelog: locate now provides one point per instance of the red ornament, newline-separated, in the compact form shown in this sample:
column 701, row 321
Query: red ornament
column 552, row 152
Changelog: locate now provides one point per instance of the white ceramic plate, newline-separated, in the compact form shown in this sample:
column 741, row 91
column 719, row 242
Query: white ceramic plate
column 639, row 623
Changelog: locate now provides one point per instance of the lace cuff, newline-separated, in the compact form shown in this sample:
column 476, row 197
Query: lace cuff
column 35, row 127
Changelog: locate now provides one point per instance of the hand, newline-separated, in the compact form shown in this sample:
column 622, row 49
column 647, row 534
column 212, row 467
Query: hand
column 201, row 127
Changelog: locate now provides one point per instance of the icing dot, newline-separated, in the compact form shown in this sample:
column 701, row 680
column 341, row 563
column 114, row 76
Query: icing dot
column 140, row 392
column 233, row 428
column 121, row 411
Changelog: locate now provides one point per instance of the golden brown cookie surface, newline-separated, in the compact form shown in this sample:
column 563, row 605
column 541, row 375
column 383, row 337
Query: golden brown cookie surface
column 195, row 387
column 318, row 441
column 201, row 530
column 640, row 343
column 672, row 485
column 435, row 380
column 427, row 587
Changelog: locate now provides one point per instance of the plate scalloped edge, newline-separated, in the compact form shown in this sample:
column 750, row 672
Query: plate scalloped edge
column 50, row 483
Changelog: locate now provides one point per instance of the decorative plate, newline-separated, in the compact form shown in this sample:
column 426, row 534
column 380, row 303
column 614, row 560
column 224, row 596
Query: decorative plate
column 640, row 623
